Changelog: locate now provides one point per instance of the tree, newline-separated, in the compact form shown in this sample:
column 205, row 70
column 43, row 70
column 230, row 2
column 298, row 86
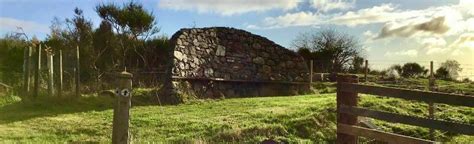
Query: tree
column 334, row 50
column 11, row 59
column 357, row 65
column 413, row 70
column 130, row 22
column 396, row 67
column 442, row 73
column 449, row 70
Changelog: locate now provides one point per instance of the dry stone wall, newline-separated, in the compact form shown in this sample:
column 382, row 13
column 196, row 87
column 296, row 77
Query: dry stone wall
column 219, row 61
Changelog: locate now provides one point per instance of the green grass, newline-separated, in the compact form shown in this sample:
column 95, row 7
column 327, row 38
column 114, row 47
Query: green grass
column 295, row 119
column 466, row 88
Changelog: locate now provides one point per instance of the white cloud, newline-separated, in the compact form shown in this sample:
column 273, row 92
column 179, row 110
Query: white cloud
column 377, row 14
column 437, row 50
column 457, row 52
column 434, row 45
column 408, row 53
column 433, row 42
column 465, row 40
column 11, row 24
column 293, row 19
column 328, row 5
column 228, row 7
column 442, row 20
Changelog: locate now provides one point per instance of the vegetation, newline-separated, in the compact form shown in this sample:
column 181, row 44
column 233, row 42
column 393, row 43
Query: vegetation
column 126, row 37
column 331, row 50
column 287, row 119
column 449, row 70
column 413, row 70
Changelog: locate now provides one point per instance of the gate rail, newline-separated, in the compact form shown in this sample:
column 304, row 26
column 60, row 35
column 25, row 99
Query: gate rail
column 347, row 112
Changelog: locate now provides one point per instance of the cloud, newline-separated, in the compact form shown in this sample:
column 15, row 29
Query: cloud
column 228, row 7
column 465, row 40
column 408, row 53
column 328, row 5
column 290, row 19
column 306, row 18
column 434, row 26
column 433, row 42
column 11, row 24
column 377, row 14
column 457, row 52
column 441, row 20
column 434, row 45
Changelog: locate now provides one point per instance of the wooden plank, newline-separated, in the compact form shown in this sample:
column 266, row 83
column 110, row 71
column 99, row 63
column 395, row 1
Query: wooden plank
column 379, row 135
column 417, row 121
column 434, row 97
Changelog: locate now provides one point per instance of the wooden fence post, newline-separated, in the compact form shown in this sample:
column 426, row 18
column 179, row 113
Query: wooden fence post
column 120, row 132
column 366, row 70
column 49, row 54
column 60, row 87
column 26, row 70
column 310, row 72
column 347, row 99
column 77, row 74
column 431, row 106
column 37, row 72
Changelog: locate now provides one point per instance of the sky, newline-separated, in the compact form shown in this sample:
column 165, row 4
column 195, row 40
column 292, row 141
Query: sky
column 390, row 32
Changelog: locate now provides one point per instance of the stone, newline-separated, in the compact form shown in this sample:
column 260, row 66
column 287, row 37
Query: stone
column 265, row 55
column 230, row 60
column 271, row 62
column 209, row 72
column 220, row 50
column 266, row 69
column 178, row 55
column 195, row 42
column 258, row 60
column 290, row 64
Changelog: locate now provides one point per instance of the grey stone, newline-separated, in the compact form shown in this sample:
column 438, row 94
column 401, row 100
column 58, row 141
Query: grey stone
column 259, row 60
column 220, row 50
column 178, row 55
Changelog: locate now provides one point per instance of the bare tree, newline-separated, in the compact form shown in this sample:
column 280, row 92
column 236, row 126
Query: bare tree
column 334, row 49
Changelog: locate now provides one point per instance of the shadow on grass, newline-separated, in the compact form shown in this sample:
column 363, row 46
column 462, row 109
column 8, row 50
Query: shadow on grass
column 45, row 106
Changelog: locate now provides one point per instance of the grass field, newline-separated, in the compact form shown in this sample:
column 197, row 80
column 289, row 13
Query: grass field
column 309, row 118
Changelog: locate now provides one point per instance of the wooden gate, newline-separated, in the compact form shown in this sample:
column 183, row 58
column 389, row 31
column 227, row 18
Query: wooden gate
column 347, row 112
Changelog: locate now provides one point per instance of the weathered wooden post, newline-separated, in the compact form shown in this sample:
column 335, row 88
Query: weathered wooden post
column 120, row 133
column 37, row 73
column 26, row 71
column 366, row 70
column 60, row 87
column 49, row 54
column 77, row 74
column 311, row 72
column 346, row 99
column 431, row 107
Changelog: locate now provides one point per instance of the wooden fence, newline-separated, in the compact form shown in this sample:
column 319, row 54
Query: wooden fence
column 347, row 112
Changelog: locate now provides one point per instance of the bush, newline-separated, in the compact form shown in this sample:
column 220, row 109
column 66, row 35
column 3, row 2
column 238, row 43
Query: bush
column 413, row 70
column 393, row 74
